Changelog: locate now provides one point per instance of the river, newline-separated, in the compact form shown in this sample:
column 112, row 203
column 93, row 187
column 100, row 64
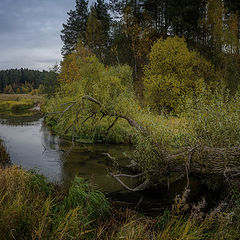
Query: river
column 32, row 146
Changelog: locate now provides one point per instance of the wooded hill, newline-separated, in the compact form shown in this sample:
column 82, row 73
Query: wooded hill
column 21, row 80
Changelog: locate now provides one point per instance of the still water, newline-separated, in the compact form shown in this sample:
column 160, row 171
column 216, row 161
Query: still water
column 33, row 146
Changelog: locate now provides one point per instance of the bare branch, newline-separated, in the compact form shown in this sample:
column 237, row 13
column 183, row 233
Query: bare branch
column 140, row 187
column 113, row 123
column 92, row 100
column 66, row 103
column 65, row 110
column 131, row 121
column 94, row 113
column 128, row 175
column 109, row 156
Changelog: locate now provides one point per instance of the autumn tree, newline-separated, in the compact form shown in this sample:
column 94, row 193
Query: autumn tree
column 174, row 72
column 138, row 38
column 71, row 65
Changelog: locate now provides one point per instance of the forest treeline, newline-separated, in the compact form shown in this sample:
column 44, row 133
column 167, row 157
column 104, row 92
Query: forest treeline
column 189, row 82
column 25, row 81
column 123, row 32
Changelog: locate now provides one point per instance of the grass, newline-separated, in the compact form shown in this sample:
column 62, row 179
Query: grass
column 16, row 106
column 17, row 97
column 18, row 102
column 4, row 156
column 30, row 208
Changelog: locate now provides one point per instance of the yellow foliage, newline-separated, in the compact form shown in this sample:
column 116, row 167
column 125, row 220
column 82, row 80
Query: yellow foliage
column 173, row 73
column 70, row 65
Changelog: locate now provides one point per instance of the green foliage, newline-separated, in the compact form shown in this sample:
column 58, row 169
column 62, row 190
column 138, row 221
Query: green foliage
column 94, row 203
column 97, row 31
column 50, row 82
column 35, row 209
column 214, row 119
column 75, row 28
column 20, row 80
column 15, row 106
column 112, row 86
column 8, row 89
column 173, row 73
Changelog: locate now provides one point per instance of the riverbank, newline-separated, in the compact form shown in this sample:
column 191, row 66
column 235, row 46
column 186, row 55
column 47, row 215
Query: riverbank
column 37, row 209
column 19, row 102
column 33, row 208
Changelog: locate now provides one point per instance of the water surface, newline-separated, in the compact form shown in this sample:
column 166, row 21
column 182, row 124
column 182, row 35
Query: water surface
column 33, row 146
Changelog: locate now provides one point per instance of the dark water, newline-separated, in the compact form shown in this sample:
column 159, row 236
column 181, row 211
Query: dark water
column 32, row 146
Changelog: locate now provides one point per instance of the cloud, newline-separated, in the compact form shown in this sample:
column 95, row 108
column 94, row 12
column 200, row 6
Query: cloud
column 30, row 32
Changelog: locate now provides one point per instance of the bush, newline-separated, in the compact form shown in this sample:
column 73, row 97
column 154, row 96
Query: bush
column 173, row 73
column 112, row 86
column 94, row 203
column 213, row 119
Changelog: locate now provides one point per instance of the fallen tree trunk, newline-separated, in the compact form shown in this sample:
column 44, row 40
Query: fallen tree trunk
column 198, row 160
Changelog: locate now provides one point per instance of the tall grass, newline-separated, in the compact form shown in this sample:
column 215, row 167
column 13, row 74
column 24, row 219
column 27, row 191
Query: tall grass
column 30, row 208
column 213, row 119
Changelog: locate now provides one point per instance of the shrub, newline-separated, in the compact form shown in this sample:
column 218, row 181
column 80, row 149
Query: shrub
column 112, row 86
column 173, row 73
column 83, row 194
column 213, row 119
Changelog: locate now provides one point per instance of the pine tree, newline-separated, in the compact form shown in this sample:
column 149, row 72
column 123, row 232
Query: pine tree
column 97, row 34
column 75, row 28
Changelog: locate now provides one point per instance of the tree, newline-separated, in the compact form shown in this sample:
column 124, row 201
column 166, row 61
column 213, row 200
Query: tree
column 19, row 77
column 95, row 36
column 75, row 28
column 8, row 89
column 139, row 39
column 174, row 72
column 97, row 33
column 50, row 82
column 71, row 66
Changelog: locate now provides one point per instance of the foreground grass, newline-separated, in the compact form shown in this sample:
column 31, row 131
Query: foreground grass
column 31, row 208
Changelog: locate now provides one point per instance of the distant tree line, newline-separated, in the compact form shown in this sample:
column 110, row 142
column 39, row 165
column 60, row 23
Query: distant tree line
column 123, row 31
column 25, row 80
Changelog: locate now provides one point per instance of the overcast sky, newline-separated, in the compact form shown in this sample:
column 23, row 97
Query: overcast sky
column 30, row 32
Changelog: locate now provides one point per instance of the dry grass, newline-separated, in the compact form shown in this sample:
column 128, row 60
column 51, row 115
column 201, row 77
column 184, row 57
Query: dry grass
column 17, row 97
column 32, row 209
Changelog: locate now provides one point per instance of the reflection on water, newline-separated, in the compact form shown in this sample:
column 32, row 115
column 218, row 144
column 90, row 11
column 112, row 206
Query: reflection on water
column 32, row 146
